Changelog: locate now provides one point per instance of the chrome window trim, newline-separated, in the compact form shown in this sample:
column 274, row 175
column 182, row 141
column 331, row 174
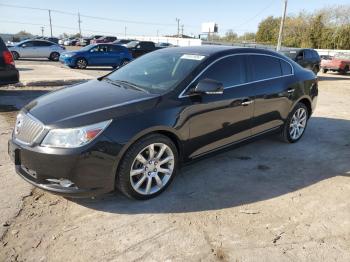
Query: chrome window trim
column 182, row 94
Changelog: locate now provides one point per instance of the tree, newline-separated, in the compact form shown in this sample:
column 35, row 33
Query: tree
column 268, row 30
column 230, row 36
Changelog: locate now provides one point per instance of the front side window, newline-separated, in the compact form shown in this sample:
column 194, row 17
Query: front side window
column 229, row 71
column 157, row 72
column 265, row 67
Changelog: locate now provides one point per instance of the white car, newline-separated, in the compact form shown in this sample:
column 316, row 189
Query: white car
column 36, row 49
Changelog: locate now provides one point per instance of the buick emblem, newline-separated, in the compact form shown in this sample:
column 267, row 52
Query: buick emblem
column 19, row 123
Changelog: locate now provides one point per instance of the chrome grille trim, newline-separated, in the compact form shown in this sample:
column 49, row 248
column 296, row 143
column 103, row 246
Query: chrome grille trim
column 29, row 130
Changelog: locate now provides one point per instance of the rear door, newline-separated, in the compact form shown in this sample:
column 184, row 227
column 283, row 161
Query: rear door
column 44, row 49
column 271, row 79
column 219, row 120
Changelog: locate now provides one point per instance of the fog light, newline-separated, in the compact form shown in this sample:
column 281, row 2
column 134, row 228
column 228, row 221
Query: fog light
column 62, row 182
column 66, row 183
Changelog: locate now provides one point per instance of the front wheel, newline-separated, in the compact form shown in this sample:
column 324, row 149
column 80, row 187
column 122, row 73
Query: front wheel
column 295, row 125
column 15, row 55
column 81, row 63
column 147, row 167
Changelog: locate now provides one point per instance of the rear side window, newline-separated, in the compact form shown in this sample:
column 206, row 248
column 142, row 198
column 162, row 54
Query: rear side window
column 286, row 68
column 229, row 71
column 116, row 48
column 265, row 67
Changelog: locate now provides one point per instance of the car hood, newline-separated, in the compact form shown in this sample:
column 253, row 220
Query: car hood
column 71, row 53
column 88, row 103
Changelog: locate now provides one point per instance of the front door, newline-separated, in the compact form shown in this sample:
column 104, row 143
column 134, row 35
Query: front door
column 217, row 120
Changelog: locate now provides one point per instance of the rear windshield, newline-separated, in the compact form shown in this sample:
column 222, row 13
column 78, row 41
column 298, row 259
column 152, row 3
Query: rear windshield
column 290, row 53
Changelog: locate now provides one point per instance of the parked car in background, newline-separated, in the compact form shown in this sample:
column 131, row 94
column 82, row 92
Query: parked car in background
column 52, row 39
column 123, row 42
column 307, row 58
column 84, row 41
column 70, row 41
column 164, row 45
column 104, row 39
column 8, row 72
column 339, row 63
column 139, row 48
column 97, row 55
column 37, row 49
column 133, row 128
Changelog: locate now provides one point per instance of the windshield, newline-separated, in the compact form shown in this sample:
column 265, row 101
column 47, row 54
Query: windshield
column 291, row 54
column 132, row 44
column 157, row 72
column 87, row 48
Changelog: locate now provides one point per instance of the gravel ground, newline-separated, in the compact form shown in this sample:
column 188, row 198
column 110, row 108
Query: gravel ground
column 265, row 201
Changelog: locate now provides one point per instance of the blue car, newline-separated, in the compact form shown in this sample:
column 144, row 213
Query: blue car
column 97, row 55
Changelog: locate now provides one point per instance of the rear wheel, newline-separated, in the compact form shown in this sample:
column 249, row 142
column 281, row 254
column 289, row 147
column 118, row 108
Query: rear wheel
column 54, row 56
column 295, row 125
column 81, row 63
column 15, row 55
column 148, row 167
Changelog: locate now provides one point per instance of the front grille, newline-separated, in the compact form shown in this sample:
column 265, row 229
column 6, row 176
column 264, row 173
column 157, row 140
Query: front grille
column 27, row 129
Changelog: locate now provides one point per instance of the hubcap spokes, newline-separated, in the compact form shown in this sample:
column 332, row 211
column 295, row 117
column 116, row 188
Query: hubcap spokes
column 298, row 123
column 152, row 169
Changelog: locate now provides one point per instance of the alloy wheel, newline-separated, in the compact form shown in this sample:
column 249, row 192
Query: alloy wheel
column 152, row 168
column 298, row 123
column 81, row 64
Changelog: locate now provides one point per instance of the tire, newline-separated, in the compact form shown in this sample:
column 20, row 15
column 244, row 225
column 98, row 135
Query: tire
column 294, row 121
column 15, row 55
column 136, row 186
column 81, row 63
column 54, row 56
column 324, row 70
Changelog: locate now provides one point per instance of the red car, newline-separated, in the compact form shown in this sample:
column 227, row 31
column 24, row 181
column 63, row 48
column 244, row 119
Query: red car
column 104, row 40
column 339, row 63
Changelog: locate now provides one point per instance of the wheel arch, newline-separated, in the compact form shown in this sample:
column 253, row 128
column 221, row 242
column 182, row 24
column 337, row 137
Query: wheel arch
column 165, row 131
column 307, row 102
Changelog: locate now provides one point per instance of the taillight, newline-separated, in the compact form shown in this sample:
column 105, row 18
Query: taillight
column 8, row 59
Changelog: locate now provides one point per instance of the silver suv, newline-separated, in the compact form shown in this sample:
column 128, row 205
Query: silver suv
column 36, row 49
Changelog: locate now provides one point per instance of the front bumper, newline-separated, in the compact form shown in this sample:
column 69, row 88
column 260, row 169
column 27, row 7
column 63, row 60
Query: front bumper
column 69, row 61
column 91, row 171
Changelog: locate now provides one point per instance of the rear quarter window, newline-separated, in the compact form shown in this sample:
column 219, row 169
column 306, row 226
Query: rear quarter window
column 286, row 68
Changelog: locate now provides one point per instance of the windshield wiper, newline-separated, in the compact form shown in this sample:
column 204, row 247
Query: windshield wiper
column 131, row 85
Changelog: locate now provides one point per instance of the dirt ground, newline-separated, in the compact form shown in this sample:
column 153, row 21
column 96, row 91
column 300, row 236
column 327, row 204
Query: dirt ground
column 265, row 201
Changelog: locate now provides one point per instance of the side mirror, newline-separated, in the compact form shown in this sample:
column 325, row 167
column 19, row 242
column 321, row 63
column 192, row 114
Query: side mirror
column 209, row 87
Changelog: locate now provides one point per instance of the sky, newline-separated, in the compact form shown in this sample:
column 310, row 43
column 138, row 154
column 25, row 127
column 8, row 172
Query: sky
column 146, row 17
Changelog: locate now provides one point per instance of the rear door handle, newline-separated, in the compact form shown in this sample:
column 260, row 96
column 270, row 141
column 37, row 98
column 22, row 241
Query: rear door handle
column 246, row 102
column 289, row 91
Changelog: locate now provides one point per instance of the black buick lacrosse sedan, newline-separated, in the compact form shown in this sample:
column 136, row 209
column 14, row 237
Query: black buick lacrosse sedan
column 132, row 128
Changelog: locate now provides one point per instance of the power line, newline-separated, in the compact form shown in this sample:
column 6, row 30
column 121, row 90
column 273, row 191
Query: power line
column 257, row 14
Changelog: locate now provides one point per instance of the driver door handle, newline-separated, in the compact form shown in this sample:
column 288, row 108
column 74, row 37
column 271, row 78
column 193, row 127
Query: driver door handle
column 291, row 90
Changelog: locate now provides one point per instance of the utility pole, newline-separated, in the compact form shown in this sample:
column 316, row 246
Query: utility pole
column 79, row 22
column 182, row 30
column 42, row 31
column 50, row 21
column 178, row 27
column 279, row 43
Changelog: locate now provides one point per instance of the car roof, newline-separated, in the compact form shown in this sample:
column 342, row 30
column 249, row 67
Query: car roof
column 210, row 50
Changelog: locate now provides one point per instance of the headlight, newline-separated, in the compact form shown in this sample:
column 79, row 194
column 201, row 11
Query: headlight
column 74, row 137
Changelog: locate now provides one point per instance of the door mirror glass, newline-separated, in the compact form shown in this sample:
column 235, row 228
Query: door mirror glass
column 209, row 87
